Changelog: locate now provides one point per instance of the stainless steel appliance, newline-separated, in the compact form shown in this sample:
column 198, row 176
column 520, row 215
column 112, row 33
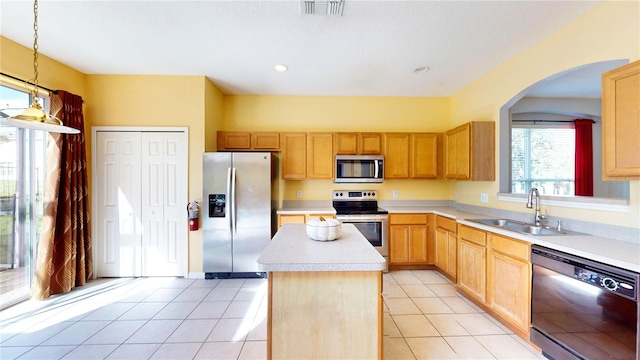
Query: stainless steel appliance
column 359, row 169
column 582, row 309
column 360, row 208
column 238, row 220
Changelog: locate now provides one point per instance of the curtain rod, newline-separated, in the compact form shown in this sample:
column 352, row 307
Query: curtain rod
column 28, row 82
column 551, row 121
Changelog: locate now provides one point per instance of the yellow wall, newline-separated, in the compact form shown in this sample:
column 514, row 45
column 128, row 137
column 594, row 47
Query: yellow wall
column 611, row 31
column 185, row 101
column 17, row 60
column 332, row 113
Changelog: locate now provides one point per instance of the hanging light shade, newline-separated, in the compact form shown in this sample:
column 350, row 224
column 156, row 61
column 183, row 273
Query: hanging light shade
column 35, row 117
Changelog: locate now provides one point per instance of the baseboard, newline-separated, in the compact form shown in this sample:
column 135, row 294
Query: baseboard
column 196, row 275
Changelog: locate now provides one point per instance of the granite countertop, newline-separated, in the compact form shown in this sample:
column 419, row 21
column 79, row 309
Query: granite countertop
column 291, row 250
column 607, row 250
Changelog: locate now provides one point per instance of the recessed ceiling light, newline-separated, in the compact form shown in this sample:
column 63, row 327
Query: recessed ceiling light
column 421, row 69
column 280, row 68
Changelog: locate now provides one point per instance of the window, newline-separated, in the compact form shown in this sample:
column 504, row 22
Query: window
column 22, row 174
column 543, row 158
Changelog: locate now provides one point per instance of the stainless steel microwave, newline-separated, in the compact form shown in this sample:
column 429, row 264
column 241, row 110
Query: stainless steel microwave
column 359, row 169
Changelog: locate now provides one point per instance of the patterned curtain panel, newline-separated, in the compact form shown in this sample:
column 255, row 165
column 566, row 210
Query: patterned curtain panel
column 64, row 251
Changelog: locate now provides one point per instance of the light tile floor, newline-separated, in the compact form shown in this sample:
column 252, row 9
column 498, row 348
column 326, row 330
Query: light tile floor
column 167, row 318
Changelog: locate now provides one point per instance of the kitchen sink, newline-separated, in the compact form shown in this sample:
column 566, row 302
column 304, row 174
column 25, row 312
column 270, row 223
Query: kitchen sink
column 522, row 227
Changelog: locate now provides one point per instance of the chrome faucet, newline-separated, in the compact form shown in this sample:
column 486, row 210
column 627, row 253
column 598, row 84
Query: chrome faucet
column 539, row 218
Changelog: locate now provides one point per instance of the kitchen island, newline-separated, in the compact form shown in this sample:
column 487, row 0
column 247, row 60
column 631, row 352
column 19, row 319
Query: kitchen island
column 324, row 297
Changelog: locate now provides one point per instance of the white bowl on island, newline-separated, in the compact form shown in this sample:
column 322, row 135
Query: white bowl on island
column 322, row 229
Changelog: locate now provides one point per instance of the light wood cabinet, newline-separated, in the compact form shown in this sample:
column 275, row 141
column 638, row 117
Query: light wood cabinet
column 509, row 281
column 472, row 262
column 446, row 246
column 470, row 152
column 426, row 153
column 408, row 239
column 319, row 156
column 358, row 143
column 412, row 155
column 621, row 123
column 300, row 218
column 294, row 155
column 244, row 141
column 396, row 155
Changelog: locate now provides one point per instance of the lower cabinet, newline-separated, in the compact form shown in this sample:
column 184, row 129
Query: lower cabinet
column 472, row 262
column 495, row 272
column 509, row 280
column 446, row 246
column 408, row 239
column 300, row 218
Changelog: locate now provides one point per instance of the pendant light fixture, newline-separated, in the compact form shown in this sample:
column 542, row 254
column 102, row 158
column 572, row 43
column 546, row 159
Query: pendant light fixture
column 35, row 117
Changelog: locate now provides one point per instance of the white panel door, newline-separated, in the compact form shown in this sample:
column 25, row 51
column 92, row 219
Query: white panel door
column 164, row 203
column 141, row 194
column 118, row 218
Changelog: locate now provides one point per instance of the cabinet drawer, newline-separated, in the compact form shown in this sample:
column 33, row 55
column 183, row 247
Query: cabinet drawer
column 473, row 235
column 512, row 247
column 446, row 223
column 407, row 219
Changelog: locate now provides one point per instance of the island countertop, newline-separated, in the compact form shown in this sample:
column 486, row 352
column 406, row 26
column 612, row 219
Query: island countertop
column 292, row 250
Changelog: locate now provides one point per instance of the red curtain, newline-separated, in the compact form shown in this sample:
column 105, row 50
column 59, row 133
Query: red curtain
column 584, row 157
column 64, row 251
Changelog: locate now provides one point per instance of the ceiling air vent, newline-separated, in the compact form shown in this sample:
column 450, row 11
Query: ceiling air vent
column 322, row 7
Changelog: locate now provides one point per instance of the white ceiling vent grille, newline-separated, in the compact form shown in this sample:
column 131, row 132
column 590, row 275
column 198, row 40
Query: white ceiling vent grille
column 322, row 7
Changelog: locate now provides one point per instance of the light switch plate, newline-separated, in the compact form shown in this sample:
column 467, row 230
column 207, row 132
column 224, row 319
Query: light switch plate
column 484, row 198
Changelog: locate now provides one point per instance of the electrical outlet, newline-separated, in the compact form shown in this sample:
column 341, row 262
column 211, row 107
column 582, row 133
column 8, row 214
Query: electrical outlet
column 395, row 193
column 299, row 194
column 484, row 198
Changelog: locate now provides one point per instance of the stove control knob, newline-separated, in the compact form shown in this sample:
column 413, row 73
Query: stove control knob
column 609, row 284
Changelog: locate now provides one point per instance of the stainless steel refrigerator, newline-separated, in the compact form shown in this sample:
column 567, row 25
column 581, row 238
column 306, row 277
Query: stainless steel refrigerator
column 239, row 210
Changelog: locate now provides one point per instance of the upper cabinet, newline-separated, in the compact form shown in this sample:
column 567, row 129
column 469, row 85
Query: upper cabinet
column 621, row 123
column 470, row 152
column 307, row 156
column 245, row 141
column 358, row 143
column 412, row 155
column 320, row 156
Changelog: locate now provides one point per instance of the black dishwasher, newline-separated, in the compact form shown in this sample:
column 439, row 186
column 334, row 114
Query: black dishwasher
column 582, row 309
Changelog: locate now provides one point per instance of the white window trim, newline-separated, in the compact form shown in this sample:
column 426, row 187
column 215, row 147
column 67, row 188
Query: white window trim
column 576, row 202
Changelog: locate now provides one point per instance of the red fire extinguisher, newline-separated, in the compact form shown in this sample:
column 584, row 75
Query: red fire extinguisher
column 193, row 208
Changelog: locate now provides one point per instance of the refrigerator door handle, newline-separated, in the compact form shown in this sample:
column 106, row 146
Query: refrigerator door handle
column 229, row 197
column 233, row 202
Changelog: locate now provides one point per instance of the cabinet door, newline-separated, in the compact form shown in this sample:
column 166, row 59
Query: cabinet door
column 294, row 155
column 508, row 289
column 396, row 155
column 418, row 244
column 369, row 143
column 621, row 123
column 398, row 244
column 320, row 156
column 442, row 253
column 452, row 250
column 450, row 146
column 346, row 143
column 234, row 140
column 424, row 156
column 463, row 161
column 472, row 262
column 265, row 141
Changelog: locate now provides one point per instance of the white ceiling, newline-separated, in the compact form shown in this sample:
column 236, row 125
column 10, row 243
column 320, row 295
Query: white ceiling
column 371, row 50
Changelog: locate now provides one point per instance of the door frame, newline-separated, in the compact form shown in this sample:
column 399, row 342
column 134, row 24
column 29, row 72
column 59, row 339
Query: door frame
column 94, row 182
